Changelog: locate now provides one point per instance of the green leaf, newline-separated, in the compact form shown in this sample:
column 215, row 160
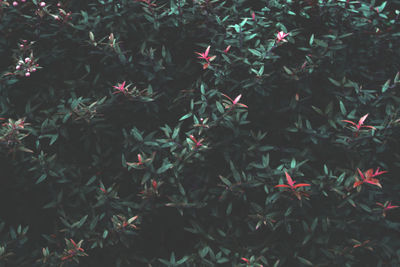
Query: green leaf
column 41, row 178
column 220, row 107
column 304, row 261
column 164, row 167
column 287, row 70
column 184, row 117
column 105, row 233
column 385, row 86
column 255, row 52
column 334, row 82
column 342, row 108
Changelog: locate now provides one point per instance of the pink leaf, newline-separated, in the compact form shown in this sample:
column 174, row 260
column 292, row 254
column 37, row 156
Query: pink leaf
column 289, row 179
column 362, row 119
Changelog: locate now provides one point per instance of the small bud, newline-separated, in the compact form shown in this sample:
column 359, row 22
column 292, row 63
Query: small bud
column 21, row 46
column 15, row 3
column 154, row 184
column 27, row 60
column 33, row 69
column 42, row 4
column 23, row 1
column 24, row 41
column 27, row 74
column 18, row 67
column 59, row 4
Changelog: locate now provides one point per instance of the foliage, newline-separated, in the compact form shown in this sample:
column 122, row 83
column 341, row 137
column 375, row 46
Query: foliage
column 199, row 133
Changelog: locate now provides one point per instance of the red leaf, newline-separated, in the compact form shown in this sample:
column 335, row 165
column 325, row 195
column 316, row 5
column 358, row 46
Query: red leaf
column 301, row 185
column 282, row 185
column 289, row 179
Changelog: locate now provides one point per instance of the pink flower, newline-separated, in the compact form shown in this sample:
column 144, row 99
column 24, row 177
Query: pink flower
column 42, row 4
column 27, row 74
column 23, row 1
column 234, row 102
column 18, row 67
column 27, row 60
column 121, row 88
column 280, row 36
column 15, row 3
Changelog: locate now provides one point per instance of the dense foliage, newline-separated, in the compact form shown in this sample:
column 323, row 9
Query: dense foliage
column 199, row 133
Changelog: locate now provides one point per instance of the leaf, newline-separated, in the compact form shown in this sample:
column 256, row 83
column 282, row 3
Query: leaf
column 91, row 180
column 311, row 39
column 41, row 178
column 255, row 52
column 184, row 117
column 385, row 86
column 220, row 107
column 334, row 82
column 304, row 261
column 342, row 108
column 164, row 167
column 287, row 70
column 105, row 233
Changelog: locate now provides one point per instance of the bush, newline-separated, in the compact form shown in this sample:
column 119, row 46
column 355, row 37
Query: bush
column 199, row 133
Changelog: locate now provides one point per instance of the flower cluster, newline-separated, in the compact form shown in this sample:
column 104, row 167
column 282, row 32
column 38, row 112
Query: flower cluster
column 27, row 63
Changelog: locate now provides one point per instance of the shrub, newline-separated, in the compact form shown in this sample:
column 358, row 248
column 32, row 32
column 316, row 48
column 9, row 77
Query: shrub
column 199, row 133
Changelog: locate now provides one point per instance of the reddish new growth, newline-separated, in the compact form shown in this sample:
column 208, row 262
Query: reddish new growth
column 358, row 126
column 387, row 206
column 227, row 49
column 148, row 2
column 121, row 88
column 281, row 37
column 196, row 143
column 141, row 160
column 291, row 184
column 205, row 57
column 368, row 177
column 234, row 102
column 76, row 249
